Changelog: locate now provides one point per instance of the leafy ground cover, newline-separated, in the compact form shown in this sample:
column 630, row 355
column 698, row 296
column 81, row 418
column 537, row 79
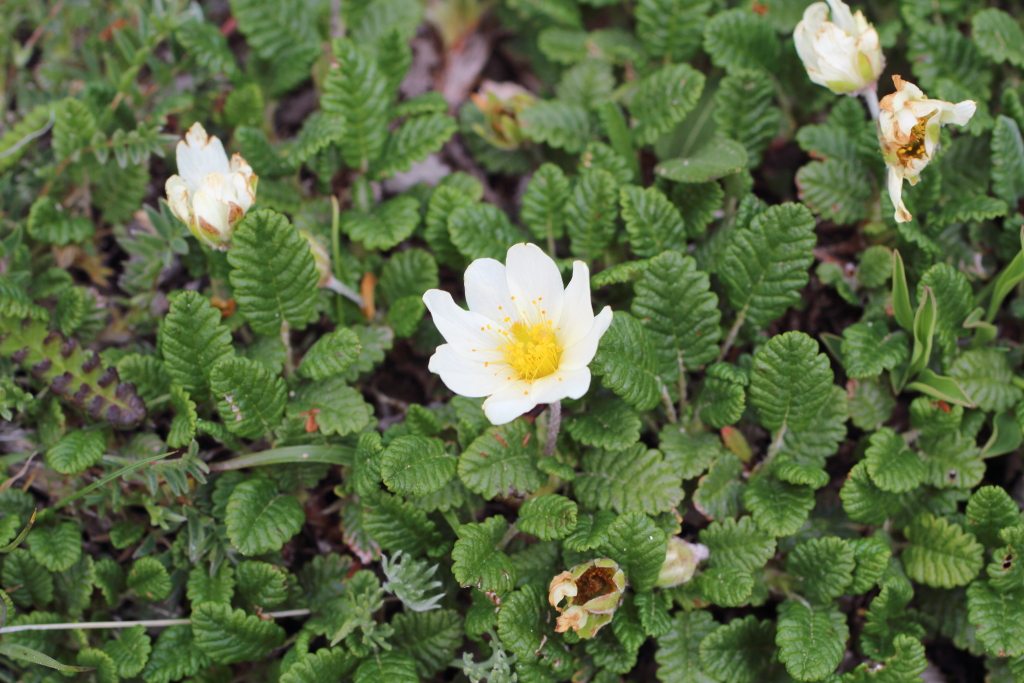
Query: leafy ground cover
column 235, row 446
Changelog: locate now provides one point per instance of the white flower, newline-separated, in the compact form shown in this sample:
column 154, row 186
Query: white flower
column 524, row 340
column 843, row 54
column 681, row 560
column 210, row 194
column 909, row 126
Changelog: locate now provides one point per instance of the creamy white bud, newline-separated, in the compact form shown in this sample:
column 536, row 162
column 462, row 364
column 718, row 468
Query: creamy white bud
column 843, row 54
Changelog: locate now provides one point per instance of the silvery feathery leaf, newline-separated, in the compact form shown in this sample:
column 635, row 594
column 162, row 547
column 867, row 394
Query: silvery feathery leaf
column 410, row 581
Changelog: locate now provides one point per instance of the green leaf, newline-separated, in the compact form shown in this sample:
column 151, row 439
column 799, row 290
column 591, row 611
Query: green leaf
column 989, row 511
column 723, row 397
column 638, row 546
column 627, row 363
column 389, row 223
column 789, row 381
column 342, row 409
column 26, row 581
column 479, row 559
column 985, row 375
column 745, row 110
column 56, row 547
column 20, row 653
column 416, row 466
column 663, row 99
column 999, row 617
column 678, row 653
column 606, row 423
column 998, row 36
column 558, row 123
column 870, row 348
column 872, row 556
column 689, row 454
column 498, row 464
column 824, row 566
column 674, row 301
column 387, row 667
column 697, row 203
column 652, row 221
column 940, row 553
column 864, row 502
column 149, row 580
column 893, row 466
column 591, row 213
column 202, row 587
column 590, row 83
column 1007, row 161
column 408, row 273
column 615, row 161
column 260, row 519
column 76, row 451
column 941, row 53
column 544, row 202
column 73, row 129
column 186, row 420
column 671, row 28
column 430, row 638
column 413, row 141
column 548, row 517
column 227, row 636
column 741, row 39
column 652, row 608
column 740, row 652
column 130, row 652
column 591, row 531
column 811, row 641
column 48, row 224
column 319, row 131
column 633, row 480
column 720, row 157
column 889, row 617
column 261, row 585
column 273, row 273
column 726, row 586
column 520, row 624
column 719, row 493
column 357, row 92
column 326, row 665
column 331, row 355
column 482, row 231
column 175, row 656
column 738, row 543
column 779, row 508
column 250, row 398
column 813, row 445
column 193, row 341
column 905, row 666
column 109, row 578
column 765, row 265
column 839, row 190
column 871, row 404
column 398, row 525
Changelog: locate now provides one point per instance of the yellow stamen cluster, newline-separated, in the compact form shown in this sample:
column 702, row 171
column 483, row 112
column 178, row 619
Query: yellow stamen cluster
column 531, row 350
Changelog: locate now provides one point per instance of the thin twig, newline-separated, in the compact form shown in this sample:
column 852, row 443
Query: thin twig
column 7, row 484
column 152, row 623
column 731, row 337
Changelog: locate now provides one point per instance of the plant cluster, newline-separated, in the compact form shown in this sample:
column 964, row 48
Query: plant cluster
column 245, row 430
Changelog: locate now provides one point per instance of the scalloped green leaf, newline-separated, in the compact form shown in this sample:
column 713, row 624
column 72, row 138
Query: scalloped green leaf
column 416, row 466
column 591, row 213
column 737, row 543
column 413, row 141
column 892, row 465
column 548, row 517
column 632, row 480
column 149, row 580
column 332, row 354
column 824, row 567
column 811, row 641
column 870, row 348
column 497, row 463
column 790, row 381
column 261, row 519
column 175, row 656
column 56, row 547
column 740, row 652
column 227, row 636
column 356, row 91
column 940, row 553
column 779, row 508
column 193, row 341
column 678, row 654
column 638, row 546
column 250, row 398
column 76, row 451
column 130, row 651
column 558, row 123
column 431, row 638
column 606, row 423
column 627, row 362
column 202, row 587
column 479, row 558
column 482, row 231
column 663, row 99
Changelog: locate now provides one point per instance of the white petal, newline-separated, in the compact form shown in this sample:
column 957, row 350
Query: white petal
column 509, row 403
column 199, row 154
column 467, row 377
column 534, row 283
column 837, row 55
column 243, row 192
column 487, row 291
column 577, row 310
column 582, row 352
column 177, row 198
column 466, row 331
column 561, row 384
column 895, row 182
column 843, row 17
column 212, row 216
column 803, row 36
column 959, row 113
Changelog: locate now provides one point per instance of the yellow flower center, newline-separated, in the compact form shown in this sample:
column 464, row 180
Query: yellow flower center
column 532, row 350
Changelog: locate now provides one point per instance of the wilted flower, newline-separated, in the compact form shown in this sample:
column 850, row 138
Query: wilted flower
column 501, row 104
column 681, row 562
column 909, row 126
column 843, row 54
column 211, row 194
column 591, row 591
column 524, row 340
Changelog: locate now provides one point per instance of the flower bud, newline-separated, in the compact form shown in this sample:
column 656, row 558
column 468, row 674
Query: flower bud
column 211, row 194
column 681, row 562
column 843, row 54
column 591, row 591
column 321, row 258
column 501, row 104
column 908, row 124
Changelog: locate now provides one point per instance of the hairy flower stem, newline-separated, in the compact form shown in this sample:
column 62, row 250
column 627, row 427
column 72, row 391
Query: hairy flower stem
column 731, row 337
column 670, row 409
column 152, row 623
column 554, row 426
column 871, row 97
column 774, row 447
